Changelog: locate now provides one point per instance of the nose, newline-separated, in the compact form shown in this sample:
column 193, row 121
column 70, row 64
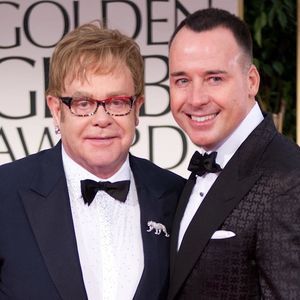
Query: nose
column 101, row 118
column 198, row 95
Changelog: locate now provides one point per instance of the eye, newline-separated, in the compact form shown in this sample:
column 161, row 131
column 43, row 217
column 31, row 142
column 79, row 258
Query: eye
column 118, row 104
column 82, row 103
column 215, row 80
column 181, row 82
column 118, row 101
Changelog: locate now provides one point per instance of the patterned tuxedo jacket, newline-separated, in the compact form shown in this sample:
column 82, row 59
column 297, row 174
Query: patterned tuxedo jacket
column 257, row 197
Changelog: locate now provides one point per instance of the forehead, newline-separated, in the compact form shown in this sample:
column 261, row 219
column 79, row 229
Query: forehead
column 92, row 65
column 114, row 81
column 206, row 48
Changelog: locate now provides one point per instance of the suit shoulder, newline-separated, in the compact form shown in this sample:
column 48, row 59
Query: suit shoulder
column 22, row 168
column 154, row 171
column 283, row 152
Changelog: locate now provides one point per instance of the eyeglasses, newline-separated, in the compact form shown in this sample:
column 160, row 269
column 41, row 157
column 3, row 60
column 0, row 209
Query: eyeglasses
column 85, row 106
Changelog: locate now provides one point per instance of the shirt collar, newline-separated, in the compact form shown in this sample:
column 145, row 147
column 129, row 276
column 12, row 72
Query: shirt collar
column 74, row 170
column 239, row 135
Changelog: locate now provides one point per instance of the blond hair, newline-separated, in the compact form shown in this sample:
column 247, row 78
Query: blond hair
column 94, row 48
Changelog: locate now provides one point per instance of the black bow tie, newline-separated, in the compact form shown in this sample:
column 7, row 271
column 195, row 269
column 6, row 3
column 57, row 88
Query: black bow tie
column 206, row 163
column 117, row 190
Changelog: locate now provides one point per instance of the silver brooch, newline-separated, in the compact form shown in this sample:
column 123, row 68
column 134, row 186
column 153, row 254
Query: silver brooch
column 158, row 227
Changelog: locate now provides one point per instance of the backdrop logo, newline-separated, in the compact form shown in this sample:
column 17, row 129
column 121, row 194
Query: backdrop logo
column 29, row 32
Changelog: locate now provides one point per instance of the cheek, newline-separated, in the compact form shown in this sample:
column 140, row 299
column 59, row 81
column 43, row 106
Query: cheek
column 72, row 127
column 127, row 128
column 176, row 101
column 237, row 112
column 179, row 96
column 62, row 116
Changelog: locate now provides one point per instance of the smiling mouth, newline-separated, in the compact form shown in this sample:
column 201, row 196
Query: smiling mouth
column 101, row 137
column 203, row 118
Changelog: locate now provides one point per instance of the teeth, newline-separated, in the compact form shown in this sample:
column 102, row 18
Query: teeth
column 202, row 119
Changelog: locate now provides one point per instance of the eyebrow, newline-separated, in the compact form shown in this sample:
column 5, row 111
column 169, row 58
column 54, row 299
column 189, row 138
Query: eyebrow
column 209, row 72
column 87, row 94
column 212, row 72
column 180, row 73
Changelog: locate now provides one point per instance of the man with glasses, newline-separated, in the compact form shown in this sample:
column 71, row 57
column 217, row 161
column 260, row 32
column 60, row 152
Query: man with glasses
column 75, row 219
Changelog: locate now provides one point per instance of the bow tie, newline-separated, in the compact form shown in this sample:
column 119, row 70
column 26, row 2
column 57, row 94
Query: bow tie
column 117, row 190
column 206, row 163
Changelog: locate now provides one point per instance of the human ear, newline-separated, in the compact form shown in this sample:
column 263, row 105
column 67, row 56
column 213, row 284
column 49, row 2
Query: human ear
column 54, row 106
column 138, row 104
column 253, row 81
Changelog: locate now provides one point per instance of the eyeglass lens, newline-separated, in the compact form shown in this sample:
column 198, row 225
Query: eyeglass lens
column 113, row 106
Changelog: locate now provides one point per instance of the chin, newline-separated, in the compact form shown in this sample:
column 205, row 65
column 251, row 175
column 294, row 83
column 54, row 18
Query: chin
column 202, row 143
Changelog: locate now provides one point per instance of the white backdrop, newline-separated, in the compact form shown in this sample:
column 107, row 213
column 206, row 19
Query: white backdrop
column 30, row 29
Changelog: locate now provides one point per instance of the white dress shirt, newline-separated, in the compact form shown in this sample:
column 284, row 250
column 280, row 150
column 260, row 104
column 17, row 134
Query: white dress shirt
column 108, row 235
column 225, row 152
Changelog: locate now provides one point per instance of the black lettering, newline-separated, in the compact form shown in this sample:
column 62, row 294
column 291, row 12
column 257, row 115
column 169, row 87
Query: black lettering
column 158, row 83
column 46, row 62
column 27, row 26
column 46, row 136
column 20, row 133
column 150, row 21
column 76, row 13
column 135, row 8
column 32, row 94
column 17, row 29
column 8, row 148
column 179, row 6
column 183, row 139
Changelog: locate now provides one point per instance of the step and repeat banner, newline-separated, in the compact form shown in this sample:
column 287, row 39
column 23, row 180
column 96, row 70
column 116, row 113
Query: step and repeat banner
column 29, row 31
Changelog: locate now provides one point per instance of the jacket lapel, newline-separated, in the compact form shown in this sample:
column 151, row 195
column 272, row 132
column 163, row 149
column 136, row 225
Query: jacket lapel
column 156, row 249
column 47, row 206
column 184, row 198
column 150, row 243
column 216, row 206
column 233, row 183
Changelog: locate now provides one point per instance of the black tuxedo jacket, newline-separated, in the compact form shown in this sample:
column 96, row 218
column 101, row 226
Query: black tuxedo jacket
column 38, row 251
column 257, row 197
